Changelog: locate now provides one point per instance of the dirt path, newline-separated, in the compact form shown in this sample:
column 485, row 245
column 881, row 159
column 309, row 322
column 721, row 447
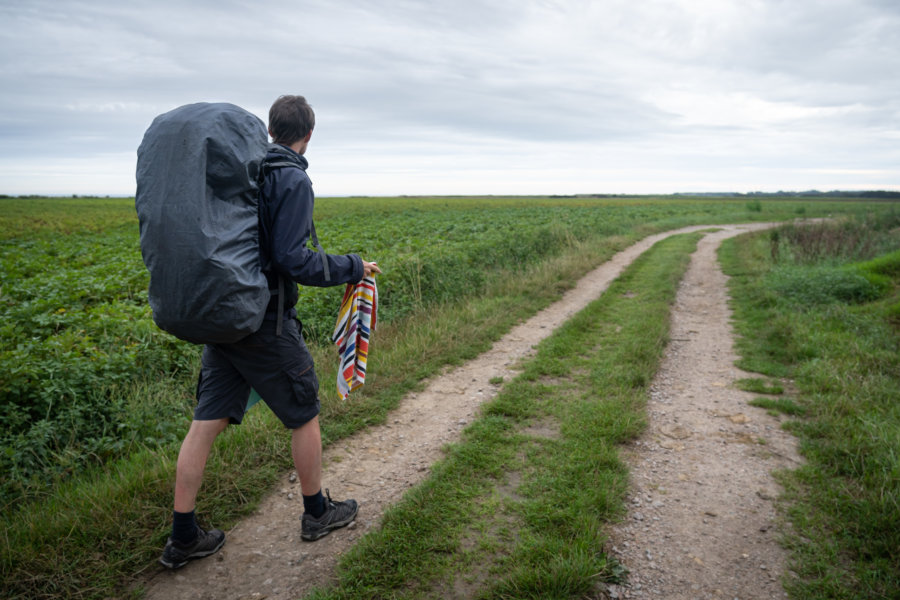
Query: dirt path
column 701, row 516
column 265, row 558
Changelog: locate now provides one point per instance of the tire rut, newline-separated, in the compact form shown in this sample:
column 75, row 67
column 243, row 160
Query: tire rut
column 701, row 521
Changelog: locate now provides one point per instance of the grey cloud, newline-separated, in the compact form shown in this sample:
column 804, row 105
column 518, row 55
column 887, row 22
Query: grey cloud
column 404, row 76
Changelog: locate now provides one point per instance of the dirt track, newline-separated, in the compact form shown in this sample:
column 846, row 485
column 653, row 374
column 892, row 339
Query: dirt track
column 701, row 520
column 701, row 524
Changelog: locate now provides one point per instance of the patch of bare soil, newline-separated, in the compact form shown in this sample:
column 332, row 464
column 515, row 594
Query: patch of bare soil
column 703, row 524
column 701, row 520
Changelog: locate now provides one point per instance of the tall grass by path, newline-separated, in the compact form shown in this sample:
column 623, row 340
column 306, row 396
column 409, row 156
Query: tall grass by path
column 518, row 507
column 840, row 347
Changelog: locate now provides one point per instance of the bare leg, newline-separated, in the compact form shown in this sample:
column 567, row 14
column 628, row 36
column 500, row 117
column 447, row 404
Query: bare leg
column 192, row 461
column 306, row 448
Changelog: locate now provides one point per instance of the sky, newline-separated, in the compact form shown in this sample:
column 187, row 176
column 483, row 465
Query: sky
column 433, row 97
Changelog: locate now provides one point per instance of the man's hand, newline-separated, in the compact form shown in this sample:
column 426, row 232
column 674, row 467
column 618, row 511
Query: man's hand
column 370, row 268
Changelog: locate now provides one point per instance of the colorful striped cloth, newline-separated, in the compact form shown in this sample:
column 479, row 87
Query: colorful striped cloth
column 355, row 323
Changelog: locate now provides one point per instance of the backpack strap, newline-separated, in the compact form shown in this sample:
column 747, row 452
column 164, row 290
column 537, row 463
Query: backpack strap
column 268, row 167
column 321, row 250
column 271, row 165
column 279, row 320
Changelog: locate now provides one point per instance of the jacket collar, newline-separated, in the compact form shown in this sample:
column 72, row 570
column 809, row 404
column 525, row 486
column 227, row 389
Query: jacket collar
column 284, row 153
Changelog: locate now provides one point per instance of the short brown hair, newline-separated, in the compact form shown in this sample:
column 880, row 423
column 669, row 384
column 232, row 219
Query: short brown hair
column 290, row 119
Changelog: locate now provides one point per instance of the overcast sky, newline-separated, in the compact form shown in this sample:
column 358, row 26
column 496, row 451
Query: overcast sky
column 470, row 96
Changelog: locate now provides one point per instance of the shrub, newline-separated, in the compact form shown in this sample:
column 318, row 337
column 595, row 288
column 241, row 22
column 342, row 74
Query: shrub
column 841, row 240
column 823, row 284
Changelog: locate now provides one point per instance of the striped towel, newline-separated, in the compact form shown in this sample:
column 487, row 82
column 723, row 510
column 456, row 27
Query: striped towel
column 355, row 323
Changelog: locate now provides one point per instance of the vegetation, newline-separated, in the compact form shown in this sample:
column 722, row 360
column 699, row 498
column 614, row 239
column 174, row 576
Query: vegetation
column 817, row 304
column 94, row 398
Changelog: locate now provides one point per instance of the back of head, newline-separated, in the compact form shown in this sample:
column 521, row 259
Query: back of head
column 291, row 118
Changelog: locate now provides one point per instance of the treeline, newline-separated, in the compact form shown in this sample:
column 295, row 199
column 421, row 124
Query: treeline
column 869, row 194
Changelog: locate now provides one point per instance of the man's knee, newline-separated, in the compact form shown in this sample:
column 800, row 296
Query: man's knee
column 309, row 425
column 207, row 429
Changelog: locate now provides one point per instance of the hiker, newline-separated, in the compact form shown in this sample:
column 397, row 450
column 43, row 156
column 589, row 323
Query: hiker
column 275, row 363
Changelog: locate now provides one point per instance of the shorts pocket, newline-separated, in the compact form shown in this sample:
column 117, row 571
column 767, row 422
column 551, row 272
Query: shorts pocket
column 305, row 384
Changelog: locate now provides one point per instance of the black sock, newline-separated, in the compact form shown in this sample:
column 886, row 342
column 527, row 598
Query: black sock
column 315, row 504
column 184, row 527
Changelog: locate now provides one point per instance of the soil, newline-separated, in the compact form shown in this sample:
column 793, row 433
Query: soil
column 701, row 522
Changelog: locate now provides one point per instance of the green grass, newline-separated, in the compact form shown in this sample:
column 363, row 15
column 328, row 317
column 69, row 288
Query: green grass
column 843, row 354
column 759, row 386
column 517, row 509
column 785, row 406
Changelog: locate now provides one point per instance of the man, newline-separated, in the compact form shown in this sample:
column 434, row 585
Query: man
column 276, row 364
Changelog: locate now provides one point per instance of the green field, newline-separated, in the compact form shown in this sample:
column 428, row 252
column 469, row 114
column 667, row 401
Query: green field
column 94, row 398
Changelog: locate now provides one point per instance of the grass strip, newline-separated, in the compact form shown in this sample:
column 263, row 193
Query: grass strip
column 843, row 354
column 518, row 507
column 759, row 386
column 776, row 406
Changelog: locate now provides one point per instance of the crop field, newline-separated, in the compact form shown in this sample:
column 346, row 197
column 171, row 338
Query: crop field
column 87, row 380
column 75, row 324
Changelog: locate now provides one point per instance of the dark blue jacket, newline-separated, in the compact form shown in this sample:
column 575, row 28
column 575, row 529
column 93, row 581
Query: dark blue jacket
column 286, row 209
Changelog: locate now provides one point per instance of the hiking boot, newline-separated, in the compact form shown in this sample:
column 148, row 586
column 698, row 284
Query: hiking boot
column 176, row 556
column 336, row 515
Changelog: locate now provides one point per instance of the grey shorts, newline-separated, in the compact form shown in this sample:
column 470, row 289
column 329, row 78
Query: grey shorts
column 279, row 368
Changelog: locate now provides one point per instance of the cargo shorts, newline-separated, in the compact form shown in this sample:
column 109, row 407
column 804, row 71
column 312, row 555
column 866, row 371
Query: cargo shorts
column 279, row 367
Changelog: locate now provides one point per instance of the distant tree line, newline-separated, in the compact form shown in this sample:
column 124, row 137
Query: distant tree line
column 872, row 194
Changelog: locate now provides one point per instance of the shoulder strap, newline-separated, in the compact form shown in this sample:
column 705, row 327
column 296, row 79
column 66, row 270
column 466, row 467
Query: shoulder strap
column 271, row 165
column 279, row 319
column 321, row 250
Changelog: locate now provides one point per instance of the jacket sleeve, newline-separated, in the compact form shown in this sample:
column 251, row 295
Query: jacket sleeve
column 291, row 202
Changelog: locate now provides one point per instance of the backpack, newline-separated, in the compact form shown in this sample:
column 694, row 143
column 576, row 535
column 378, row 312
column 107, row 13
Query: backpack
column 197, row 200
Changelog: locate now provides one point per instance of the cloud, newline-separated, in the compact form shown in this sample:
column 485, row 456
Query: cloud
column 412, row 97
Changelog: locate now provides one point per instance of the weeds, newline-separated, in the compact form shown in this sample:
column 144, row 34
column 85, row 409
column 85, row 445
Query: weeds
column 812, row 285
column 808, row 311
column 759, row 386
column 785, row 406
column 842, row 240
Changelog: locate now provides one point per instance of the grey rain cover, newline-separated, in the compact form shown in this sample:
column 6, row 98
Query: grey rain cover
column 197, row 202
